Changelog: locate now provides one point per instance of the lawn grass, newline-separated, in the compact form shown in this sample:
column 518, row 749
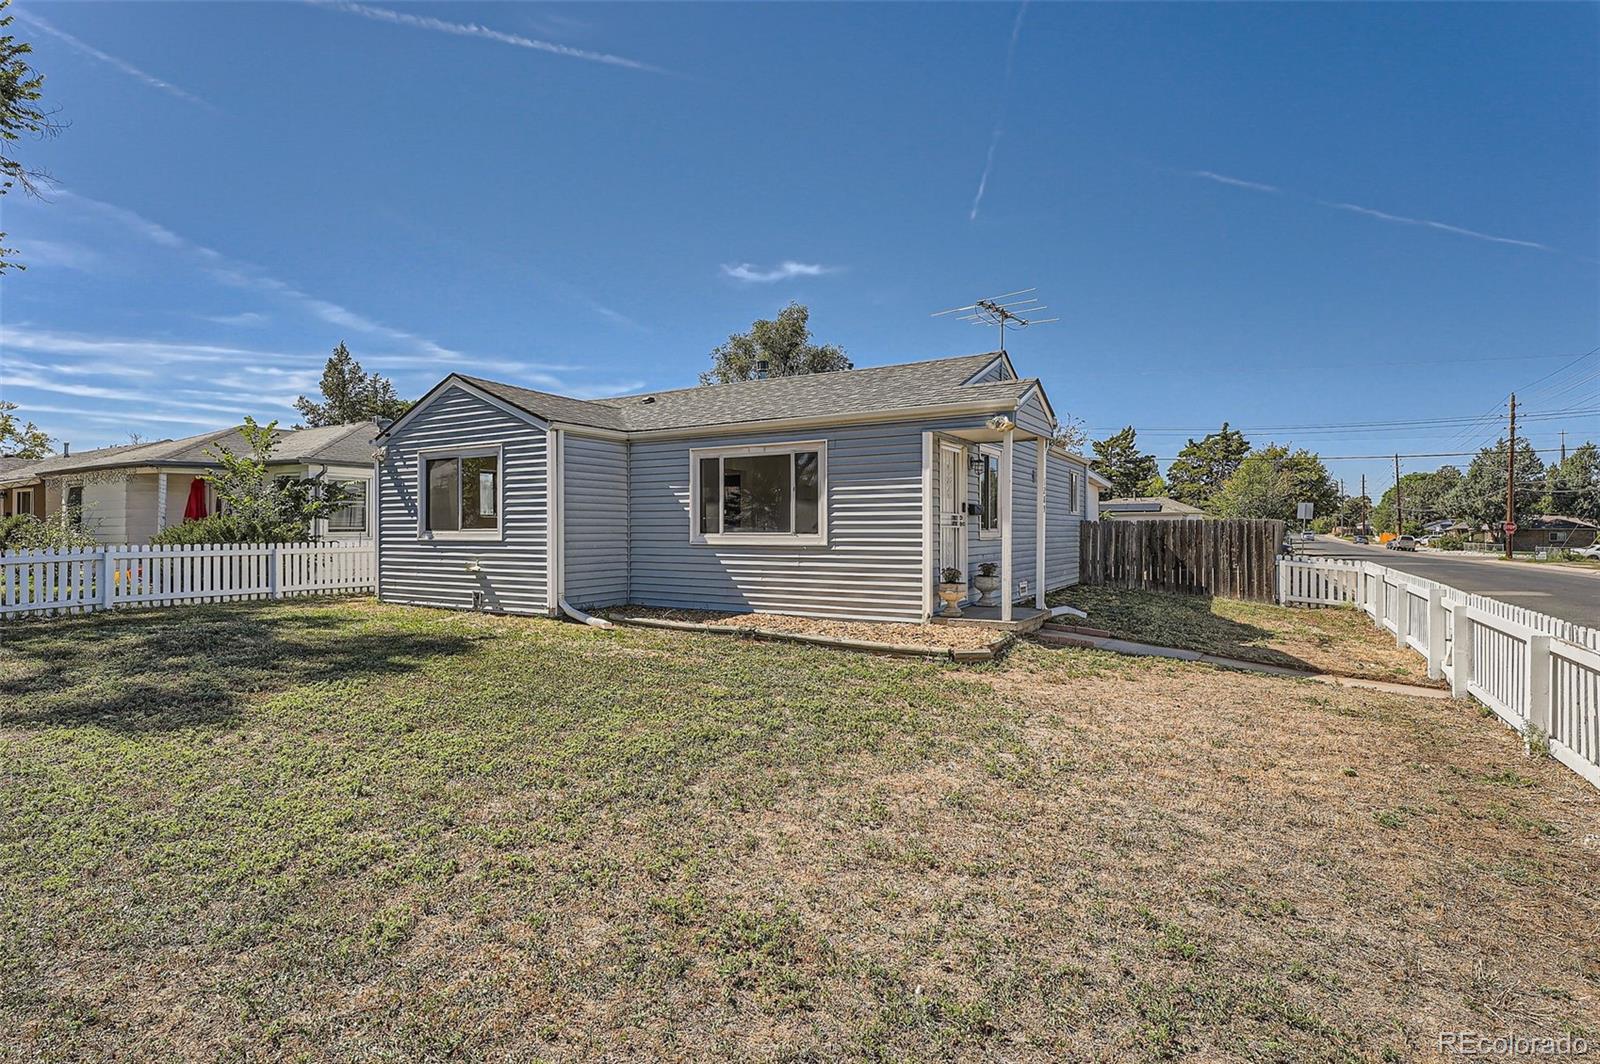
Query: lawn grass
column 339, row 830
column 1340, row 640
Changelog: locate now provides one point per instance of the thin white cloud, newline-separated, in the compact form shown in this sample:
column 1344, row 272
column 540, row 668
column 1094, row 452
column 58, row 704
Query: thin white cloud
column 473, row 29
column 783, row 271
column 1236, row 182
column 43, row 25
column 33, row 382
column 1372, row 212
column 1401, row 219
column 62, row 254
column 1000, row 122
column 243, row 275
column 120, row 416
column 246, row 317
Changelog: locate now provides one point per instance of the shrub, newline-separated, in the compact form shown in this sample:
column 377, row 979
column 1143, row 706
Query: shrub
column 226, row 528
column 1453, row 541
column 27, row 532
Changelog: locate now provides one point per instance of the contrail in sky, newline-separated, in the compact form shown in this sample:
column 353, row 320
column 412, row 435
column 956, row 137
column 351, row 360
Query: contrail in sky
column 1000, row 123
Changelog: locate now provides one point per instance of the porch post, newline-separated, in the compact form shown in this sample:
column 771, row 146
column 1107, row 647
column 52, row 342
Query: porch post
column 161, row 501
column 1006, row 465
column 929, row 543
column 1039, row 525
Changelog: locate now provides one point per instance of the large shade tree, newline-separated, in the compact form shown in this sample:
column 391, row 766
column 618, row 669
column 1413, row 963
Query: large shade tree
column 1202, row 466
column 1270, row 483
column 1574, row 484
column 1131, row 471
column 21, row 439
column 1480, row 498
column 1424, row 497
column 783, row 343
column 21, row 89
column 349, row 394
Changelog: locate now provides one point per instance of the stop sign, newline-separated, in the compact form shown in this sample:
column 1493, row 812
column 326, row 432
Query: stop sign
column 1510, row 527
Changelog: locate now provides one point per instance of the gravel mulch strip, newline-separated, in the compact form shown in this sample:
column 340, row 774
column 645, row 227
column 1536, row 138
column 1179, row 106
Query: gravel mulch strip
column 932, row 636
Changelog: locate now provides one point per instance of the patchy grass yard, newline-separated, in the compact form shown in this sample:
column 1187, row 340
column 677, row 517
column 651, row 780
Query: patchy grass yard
column 1343, row 641
column 342, row 830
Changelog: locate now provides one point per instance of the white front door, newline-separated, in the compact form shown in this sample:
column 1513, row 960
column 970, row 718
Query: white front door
column 952, row 516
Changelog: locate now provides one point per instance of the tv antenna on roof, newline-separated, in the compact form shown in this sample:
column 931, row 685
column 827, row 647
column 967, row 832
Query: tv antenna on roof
column 1018, row 309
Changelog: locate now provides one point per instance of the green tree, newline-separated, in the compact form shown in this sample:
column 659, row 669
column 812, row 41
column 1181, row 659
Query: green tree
column 20, row 115
column 1574, row 484
column 1202, row 466
column 19, row 439
column 1424, row 496
column 350, row 393
column 1480, row 497
column 257, row 505
column 783, row 343
column 1270, row 482
column 1119, row 460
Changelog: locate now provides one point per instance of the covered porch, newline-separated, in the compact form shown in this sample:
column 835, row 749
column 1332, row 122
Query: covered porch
column 985, row 510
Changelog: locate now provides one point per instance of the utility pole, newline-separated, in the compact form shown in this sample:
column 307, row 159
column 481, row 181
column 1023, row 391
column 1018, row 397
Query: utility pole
column 1563, row 446
column 1511, row 479
column 1366, row 518
column 1399, row 505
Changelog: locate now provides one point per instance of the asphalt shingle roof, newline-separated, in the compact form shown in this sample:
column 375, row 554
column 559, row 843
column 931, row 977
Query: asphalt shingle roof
column 904, row 386
column 337, row 444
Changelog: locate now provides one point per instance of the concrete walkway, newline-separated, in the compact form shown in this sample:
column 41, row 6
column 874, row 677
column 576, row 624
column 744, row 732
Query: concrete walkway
column 1150, row 650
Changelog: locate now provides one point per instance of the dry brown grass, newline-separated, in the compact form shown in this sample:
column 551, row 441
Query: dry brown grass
column 933, row 636
column 374, row 832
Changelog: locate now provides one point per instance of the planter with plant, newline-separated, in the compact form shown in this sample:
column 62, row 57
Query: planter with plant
column 987, row 581
column 952, row 589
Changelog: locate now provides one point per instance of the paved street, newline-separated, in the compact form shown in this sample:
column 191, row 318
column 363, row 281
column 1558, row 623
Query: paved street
column 1571, row 594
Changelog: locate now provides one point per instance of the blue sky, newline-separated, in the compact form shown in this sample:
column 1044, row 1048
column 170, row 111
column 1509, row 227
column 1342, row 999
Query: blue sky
column 1277, row 215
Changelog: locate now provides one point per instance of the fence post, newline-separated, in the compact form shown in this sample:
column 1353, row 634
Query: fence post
column 274, row 571
column 1538, row 682
column 1402, row 615
column 107, row 581
column 1461, row 653
column 1435, row 633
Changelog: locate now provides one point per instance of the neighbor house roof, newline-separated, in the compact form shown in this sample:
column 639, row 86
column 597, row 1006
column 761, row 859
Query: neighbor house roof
column 336, row 445
column 1148, row 504
column 875, row 389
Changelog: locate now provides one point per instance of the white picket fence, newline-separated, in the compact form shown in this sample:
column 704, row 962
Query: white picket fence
column 1539, row 674
column 45, row 582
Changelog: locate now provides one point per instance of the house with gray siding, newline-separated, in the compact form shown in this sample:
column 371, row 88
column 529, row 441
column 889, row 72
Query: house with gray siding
column 838, row 495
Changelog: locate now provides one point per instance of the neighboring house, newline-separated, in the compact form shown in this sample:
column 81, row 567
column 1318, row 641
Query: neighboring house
column 23, row 499
column 1151, row 508
column 128, row 493
column 1554, row 532
column 833, row 495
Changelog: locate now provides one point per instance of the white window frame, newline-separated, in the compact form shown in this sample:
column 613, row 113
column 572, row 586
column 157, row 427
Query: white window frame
column 496, row 534
column 761, row 539
column 16, row 500
column 1074, row 503
column 366, row 505
column 987, row 451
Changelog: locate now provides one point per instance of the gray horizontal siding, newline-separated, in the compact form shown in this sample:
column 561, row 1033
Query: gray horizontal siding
column 595, row 520
column 434, row 573
column 996, row 372
column 870, row 568
column 1065, row 519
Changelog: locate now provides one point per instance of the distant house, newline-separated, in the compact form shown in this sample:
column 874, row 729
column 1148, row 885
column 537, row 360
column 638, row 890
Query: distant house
column 126, row 494
column 833, row 495
column 1554, row 532
column 1151, row 508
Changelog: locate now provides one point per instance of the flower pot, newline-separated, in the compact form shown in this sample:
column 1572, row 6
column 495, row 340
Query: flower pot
column 952, row 594
column 988, row 585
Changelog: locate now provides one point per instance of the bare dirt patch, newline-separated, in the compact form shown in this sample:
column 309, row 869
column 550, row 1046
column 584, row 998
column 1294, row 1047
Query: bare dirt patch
column 932, row 636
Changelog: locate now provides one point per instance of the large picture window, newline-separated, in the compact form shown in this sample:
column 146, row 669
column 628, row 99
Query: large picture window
column 461, row 494
column 765, row 494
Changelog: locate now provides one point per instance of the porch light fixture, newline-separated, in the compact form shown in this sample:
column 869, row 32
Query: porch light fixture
column 1000, row 423
column 975, row 462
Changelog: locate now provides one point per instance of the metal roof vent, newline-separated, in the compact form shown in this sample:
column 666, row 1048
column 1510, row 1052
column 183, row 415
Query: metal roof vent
column 648, row 399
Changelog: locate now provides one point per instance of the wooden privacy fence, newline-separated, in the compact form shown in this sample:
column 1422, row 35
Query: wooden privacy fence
column 77, row 581
column 1234, row 559
column 1539, row 674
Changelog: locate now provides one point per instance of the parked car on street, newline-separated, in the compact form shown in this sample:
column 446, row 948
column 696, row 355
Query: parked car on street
column 1591, row 551
column 1360, row 538
column 1403, row 543
column 1308, row 536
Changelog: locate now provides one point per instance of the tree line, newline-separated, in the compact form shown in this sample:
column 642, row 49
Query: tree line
column 1224, row 475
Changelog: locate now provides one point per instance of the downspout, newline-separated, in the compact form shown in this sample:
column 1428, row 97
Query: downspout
column 556, row 492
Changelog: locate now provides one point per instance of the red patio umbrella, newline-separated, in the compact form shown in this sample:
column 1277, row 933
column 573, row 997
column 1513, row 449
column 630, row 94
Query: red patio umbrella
column 196, row 506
